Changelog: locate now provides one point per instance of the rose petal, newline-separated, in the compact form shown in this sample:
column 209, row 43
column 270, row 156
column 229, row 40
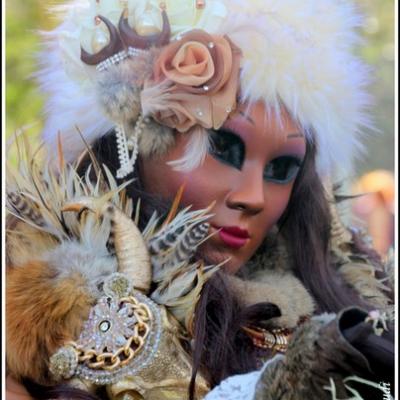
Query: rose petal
column 224, row 100
column 192, row 65
column 184, row 68
column 186, row 110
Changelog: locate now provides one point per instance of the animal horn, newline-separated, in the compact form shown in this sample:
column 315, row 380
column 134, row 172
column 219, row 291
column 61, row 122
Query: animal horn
column 130, row 248
column 112, row 48
column 132, row 39
column 131, row 251
column 165, row 34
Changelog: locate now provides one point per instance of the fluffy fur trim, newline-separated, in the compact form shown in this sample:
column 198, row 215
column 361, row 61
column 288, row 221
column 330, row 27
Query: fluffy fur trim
column 155, row 139
column 281, row 289
column 119, row 87
column 118, row 94
column 296, row 54
column 55, row 316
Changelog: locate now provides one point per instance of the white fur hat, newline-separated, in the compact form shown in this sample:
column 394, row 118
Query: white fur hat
column 298, row 53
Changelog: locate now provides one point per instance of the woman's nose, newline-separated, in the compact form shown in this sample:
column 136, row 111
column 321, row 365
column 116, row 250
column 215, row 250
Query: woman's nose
column 248, row 194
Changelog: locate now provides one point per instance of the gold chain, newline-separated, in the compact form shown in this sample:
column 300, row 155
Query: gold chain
column 123, row 355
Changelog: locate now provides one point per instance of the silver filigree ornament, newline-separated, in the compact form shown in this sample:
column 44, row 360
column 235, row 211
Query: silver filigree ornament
column 63, row 363
column 141, row 359
column 121, row 336
column 109, row 326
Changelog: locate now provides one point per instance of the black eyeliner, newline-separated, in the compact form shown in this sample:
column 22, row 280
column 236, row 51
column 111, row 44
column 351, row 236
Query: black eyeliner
column 227, row 147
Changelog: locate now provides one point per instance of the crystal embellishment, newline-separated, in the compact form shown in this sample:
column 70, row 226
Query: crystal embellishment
column 117, row 285
column 105, row 326
column 109, row 326
column 113, row 311
column 63, row 363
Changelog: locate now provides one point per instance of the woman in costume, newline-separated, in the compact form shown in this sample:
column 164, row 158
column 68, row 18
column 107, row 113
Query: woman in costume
column 230, row 120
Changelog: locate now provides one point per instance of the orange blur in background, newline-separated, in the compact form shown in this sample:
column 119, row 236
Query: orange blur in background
column 374, row 209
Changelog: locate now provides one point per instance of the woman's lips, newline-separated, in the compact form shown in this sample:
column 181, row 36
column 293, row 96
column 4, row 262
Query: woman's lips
column 233, row 236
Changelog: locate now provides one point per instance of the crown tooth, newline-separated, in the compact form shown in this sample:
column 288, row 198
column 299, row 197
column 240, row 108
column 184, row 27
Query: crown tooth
column 100, row 39
column 146, row 25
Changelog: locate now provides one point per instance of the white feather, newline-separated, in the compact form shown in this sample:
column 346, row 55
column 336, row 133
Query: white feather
column 196, row 150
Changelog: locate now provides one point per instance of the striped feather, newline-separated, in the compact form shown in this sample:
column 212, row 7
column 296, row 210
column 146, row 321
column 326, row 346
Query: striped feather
column 24, row 208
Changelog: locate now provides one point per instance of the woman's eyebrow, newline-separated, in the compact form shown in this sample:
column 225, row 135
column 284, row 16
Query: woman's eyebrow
column 294, row 135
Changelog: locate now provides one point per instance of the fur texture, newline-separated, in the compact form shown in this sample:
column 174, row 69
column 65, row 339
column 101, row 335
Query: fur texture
column 296, row 54
column 119, row 87
column 118, row 93
column 155, row 139
column 42, row 313
column 281, row 289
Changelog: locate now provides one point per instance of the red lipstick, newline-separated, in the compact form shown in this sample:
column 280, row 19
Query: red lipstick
column 233, row 236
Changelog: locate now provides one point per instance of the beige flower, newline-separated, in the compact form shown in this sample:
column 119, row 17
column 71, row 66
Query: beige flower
column 195, row 82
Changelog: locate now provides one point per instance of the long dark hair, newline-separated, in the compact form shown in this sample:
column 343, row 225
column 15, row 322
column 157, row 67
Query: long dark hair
column 221, row 348
column 306, row 230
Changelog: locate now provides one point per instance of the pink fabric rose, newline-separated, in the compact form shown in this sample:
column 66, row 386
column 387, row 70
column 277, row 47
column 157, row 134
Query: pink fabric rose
column 195, row 82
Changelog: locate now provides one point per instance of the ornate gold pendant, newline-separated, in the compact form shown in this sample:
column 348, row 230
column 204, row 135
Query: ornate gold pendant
column 274, row 339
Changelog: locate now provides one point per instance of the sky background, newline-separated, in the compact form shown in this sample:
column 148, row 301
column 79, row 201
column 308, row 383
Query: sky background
column 24, row 103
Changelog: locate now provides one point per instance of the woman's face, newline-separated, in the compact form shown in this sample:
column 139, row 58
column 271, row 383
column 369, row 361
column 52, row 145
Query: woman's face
column 249, row 174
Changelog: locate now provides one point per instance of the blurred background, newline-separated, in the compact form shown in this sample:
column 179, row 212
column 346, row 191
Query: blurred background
column 24, row 103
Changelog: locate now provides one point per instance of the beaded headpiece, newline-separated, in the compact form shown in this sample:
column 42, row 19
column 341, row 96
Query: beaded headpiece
column 147, row 69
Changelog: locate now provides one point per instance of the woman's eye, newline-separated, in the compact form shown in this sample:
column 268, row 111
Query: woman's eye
column 227, row 147
column 282, row 169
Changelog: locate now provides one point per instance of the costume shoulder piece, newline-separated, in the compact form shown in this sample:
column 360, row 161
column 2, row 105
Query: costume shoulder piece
column 98, row 301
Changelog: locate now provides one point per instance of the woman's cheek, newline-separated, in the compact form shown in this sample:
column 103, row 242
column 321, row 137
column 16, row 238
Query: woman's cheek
column 278, row 200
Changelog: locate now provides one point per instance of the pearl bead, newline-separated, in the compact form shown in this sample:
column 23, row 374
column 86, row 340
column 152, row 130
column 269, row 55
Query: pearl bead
column 104, row 326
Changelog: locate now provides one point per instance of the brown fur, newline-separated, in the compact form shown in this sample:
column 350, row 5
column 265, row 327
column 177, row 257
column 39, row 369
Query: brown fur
column 279, row 288
column 293, row 378
column 362, row 277
column 155, row 139
column 119, row 86
column 42, row 313
column 23, row 240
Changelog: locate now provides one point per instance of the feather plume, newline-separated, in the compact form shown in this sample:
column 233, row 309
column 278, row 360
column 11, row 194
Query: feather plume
column 196, row 150
column 175, row 204
column 27, row 209
column 78, row 244
column 36, row 194
column 181, row 292
column 177, row 241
